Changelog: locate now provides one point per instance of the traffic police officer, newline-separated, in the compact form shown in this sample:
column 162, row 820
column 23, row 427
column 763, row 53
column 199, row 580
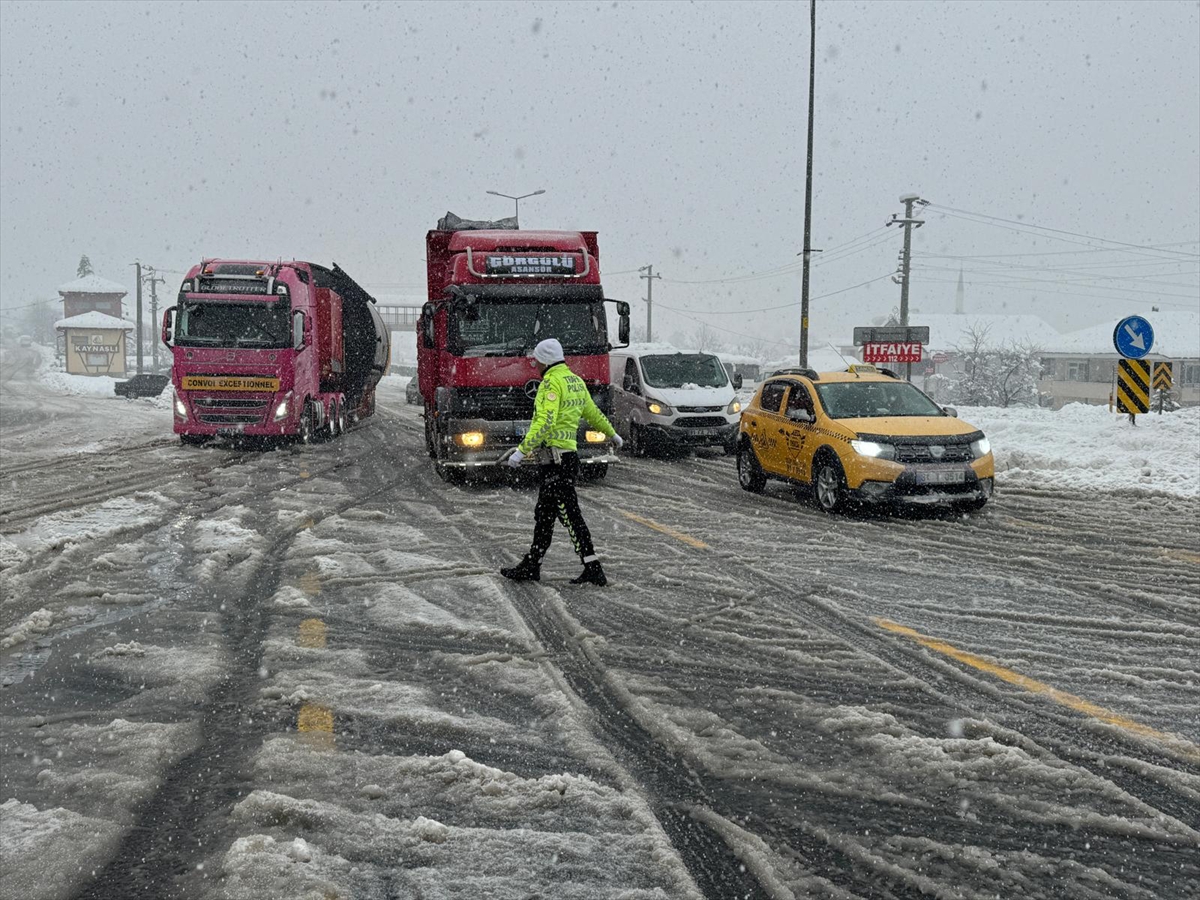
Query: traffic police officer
column 562, row 399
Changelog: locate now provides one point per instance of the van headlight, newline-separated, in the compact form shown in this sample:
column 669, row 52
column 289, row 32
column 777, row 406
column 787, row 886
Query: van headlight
column 658, row 409
column 734, row 407
column 180, row 408
column 981, row 448
column 281, row 410
column 874, row 449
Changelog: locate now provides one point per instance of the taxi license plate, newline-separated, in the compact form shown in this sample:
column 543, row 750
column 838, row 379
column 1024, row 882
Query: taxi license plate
column 953, row 477
column 229, row 383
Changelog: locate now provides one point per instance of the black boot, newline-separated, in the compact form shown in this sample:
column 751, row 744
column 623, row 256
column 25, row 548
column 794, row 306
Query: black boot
column 528, row 569
column 593, row 573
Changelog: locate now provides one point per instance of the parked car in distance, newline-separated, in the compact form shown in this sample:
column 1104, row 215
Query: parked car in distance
column 412, row 391
column 862, row 436
column 665, row 399
column 25, row 340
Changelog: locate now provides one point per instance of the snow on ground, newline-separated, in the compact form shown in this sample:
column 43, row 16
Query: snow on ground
column 48, row 853
column 1085, row 447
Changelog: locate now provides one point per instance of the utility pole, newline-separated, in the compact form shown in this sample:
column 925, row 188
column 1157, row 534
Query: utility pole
column 138, row 266
column 907, row 223
column 649, row 276
column 155, row 281
column 812, row 72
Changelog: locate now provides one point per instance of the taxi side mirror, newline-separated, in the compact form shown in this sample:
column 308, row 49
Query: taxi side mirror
column 950, row 411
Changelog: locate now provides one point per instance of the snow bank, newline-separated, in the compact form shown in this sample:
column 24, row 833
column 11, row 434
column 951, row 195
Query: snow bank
column 1088, row 448
column 48, row 853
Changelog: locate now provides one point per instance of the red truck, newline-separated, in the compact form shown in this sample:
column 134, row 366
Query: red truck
column 494, row 292
column 272, row 349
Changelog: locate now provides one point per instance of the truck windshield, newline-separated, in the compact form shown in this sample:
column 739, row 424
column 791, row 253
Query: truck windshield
column 870, row 399
column 223, row 324
column 684, row 369
column 514, row 328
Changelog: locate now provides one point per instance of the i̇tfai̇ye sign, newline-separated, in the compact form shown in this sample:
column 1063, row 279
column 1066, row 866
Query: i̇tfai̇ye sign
column 878, row 351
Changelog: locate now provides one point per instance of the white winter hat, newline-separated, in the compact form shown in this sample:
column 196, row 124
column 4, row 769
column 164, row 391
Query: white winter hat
column 548, row 351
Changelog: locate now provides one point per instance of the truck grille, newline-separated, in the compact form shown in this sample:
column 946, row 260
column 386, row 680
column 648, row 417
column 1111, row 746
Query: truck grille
column 922, row 453
column 230, row 418
column 222, row 403
column 507, row 404
column 701, row 422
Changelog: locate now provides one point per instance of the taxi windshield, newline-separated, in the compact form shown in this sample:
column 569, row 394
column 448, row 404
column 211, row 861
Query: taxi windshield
column 871, row 399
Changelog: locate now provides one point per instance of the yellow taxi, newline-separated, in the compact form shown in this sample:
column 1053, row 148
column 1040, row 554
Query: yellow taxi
column 861, row 436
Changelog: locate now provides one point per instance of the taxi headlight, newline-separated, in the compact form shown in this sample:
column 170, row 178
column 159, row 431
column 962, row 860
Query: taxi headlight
column 874, row 449
column 981, row 448
column 596, row 437
column 658, row 409
column 471, row 438
column 734, row 407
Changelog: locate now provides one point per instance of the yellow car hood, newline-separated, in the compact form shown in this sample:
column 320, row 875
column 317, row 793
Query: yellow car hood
column 909, row 426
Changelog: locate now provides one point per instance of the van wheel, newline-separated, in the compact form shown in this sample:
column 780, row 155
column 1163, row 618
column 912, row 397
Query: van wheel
column 637, row 440
column 593, row 472
column 750, row 473
column 829, row 485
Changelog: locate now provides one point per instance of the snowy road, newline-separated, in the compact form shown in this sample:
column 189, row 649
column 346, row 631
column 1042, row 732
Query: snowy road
column 296, row 674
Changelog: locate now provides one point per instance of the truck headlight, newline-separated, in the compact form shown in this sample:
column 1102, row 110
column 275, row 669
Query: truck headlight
column 281, row 410
column 596, row 437
column 180, row 408
column 470, row 438
column 981, row 448
column 734, row 407
column 873, row 449
column 658, row 409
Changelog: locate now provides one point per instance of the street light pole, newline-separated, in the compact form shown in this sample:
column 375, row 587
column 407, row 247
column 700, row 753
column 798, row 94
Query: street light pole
column 812, row 71
column 517, row 202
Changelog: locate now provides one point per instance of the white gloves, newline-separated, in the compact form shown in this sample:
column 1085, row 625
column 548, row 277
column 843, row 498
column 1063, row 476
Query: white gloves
column 618, row 441
column 515, row 458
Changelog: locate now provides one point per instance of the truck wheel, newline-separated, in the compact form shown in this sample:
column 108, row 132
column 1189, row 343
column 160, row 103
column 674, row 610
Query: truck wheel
column 341, row 417
column 331, row 426
column 449, row 474
column 430, row 445
column 308, row 429
column 593, row 472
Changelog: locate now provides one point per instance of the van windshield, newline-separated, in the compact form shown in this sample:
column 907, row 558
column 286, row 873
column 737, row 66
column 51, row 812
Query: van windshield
column 684, row 370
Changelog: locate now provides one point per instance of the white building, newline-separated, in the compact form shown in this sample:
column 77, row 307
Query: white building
column 1080, row 366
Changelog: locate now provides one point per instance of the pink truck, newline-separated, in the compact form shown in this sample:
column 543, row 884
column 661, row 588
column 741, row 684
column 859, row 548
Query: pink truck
column 264, row 349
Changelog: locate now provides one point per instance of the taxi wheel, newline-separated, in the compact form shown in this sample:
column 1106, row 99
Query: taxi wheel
column 829, row 485
column 750, row 473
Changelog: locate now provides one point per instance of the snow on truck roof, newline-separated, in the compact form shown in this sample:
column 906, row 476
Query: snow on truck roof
column 517, row 241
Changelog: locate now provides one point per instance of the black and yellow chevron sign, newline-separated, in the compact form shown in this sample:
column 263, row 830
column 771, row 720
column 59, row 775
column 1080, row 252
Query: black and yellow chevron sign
column 1162, row 377
column 1133, row 386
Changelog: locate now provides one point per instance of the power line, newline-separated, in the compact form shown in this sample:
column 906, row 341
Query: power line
column 1012, row 279
column 1092, row 297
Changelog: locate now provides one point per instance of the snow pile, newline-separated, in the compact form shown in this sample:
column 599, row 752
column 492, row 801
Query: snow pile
column 35, row 624
column 48, row 853
column 1088, row 448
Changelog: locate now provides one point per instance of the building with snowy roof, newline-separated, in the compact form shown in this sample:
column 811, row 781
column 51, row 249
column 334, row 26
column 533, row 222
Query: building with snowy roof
column 94, row 343
column 1079, row 367
column 92, row 293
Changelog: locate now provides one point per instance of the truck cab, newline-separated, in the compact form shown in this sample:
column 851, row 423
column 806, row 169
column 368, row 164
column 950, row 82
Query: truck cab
column 494, row 292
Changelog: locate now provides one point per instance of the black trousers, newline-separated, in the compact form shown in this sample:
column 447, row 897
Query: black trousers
column 557, row 500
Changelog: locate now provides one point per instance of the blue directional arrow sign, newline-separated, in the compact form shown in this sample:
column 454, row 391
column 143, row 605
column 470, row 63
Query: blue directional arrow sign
column 1133, row 337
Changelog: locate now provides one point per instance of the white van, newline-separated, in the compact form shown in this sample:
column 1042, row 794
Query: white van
column 665, row 399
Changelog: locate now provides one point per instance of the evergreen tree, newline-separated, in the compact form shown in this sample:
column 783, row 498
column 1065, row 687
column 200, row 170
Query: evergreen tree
column 85, row 267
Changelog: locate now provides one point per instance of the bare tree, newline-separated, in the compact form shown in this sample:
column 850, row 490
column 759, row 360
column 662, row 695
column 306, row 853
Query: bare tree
column 703, row 338
column 995, row 374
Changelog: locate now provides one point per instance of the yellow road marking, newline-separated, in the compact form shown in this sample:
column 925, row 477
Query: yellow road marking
column 304, row 473
column 315, row 723
column 1185, row 555
column 670, row 532
column 310, row 583
column 1037, row 687
column 312, row 634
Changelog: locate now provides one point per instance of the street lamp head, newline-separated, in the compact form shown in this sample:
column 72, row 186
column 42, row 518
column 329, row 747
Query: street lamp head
column 904, row 198
column 535, row 193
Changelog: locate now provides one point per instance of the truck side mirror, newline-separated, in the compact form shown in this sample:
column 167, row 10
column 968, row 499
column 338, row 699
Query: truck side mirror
column 299, row 337
column 427, row 330
column 737, row 381
column 168, row 326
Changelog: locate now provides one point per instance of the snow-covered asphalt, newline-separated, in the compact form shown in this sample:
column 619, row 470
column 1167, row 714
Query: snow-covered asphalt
column 293, row 674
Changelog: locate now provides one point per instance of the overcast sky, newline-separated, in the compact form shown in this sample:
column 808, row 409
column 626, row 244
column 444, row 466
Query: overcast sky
column 341, row 132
